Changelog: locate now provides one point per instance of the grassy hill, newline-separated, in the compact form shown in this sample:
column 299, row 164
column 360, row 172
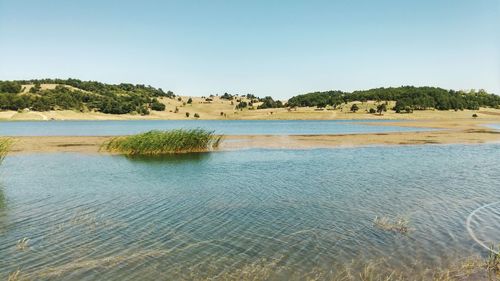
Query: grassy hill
column 75, row 99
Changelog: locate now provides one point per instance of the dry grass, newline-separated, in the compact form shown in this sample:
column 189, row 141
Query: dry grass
column 398, row 224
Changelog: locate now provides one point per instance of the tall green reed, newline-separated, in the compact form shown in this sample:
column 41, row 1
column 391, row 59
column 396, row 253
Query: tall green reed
column 165, row 142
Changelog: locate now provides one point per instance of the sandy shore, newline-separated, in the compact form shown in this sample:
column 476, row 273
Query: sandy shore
column 445, row 132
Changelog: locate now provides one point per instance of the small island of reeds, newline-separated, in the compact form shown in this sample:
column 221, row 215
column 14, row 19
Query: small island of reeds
column 165, row 142
column 4, row 147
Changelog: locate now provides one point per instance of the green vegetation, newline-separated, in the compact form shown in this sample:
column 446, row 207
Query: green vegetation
column 165, row 142
column 5, row 144
column 268, row 102
column 354, row 107
column 381, row 108
column 73, row 94
column 407, row 98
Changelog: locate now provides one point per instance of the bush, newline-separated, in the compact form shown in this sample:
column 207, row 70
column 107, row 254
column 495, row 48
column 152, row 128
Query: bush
column 474, row 115
column 372, row 111
column 158, row 106
column 165, row 142
column 381, row 108
column 187, row 114
column 196, row 115
column 190, row 100
column 354, row 108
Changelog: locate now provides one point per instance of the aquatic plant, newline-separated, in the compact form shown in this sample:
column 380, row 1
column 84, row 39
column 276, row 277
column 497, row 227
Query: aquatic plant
column 493, row 262
column 22, row 244
column 5, row 144
column 14, row 276
column 165, row 142
column 399, row 224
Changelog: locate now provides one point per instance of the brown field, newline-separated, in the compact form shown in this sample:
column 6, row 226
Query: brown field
column 212, row 111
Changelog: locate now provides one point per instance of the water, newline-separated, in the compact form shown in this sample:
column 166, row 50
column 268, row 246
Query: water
column 276, row 214
column 233, row 127
column 494, row 126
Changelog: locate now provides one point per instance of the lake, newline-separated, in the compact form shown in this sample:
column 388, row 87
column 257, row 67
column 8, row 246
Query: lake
column 228, row 127
column 281, row 214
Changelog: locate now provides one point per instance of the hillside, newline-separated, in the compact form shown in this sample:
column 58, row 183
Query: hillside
column 406, row 98
column 72, row 99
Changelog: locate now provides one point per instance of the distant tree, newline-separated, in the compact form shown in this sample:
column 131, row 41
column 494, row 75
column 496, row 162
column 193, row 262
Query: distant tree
column 372, row 110
column 187, row 114
column 269, row 102
column 221, row 113
column 179, row 99
column 156, row 105
column 12, row 87
column 196, row 115
column 354, row 108
column 381, row 108
column 190, row 100
column 36, row 88
column 474, row 116
column 241, row 105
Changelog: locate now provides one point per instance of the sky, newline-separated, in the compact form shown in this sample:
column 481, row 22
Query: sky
column 269, row 47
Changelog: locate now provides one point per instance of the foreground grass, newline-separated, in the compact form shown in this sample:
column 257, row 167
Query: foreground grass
column 165, row 142
column 5, row 144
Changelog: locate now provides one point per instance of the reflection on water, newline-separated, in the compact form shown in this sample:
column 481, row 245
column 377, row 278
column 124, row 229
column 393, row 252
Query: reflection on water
column 168, row 158
column 268, row 214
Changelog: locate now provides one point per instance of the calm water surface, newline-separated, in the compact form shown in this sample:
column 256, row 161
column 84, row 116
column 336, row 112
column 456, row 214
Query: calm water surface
column 289, row 212
column 228, row 127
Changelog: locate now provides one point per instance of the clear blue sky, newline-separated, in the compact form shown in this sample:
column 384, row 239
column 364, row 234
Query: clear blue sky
column 277, row 48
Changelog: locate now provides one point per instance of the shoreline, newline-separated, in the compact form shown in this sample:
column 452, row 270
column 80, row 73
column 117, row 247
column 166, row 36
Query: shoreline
column 442, row 132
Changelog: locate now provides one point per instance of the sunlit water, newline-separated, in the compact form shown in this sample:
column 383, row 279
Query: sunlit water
column 287, row 212
column 228, row 127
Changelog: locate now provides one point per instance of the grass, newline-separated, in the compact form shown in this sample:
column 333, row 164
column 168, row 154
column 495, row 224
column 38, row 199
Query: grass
column 165, row 142
column 5, row 144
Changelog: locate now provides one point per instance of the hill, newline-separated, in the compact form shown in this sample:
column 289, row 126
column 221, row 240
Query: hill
column 84, row 96
column 406, row 98
column 72, row 99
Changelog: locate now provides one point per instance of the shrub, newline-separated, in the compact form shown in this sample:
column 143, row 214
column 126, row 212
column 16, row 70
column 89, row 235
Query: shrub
column 196, row 115
column 187, row 114
column 156, row 105
column 354, row 108
column 381, row 108
column 165, row 142
column 474, row 115
column 190, row 100
column 373, row 111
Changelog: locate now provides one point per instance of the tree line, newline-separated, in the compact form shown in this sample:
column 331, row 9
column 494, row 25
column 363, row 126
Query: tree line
column 408, row 98
column 82, row 95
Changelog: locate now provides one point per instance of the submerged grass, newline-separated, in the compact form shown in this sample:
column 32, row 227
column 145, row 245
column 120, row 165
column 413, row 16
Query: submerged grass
column 5, row 144
column 165, row 142
column 399, row 224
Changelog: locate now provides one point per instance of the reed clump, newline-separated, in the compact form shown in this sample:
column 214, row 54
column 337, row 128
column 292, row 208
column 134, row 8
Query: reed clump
column 5, row 144
column 165, row 142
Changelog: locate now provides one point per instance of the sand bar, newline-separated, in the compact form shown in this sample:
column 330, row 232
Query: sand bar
column 444, row 132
